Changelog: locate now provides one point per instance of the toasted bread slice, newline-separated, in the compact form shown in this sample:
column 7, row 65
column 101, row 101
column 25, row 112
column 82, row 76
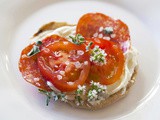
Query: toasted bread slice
column 109, row 100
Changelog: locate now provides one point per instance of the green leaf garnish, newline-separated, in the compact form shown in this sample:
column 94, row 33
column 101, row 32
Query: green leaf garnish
column 78, row 39
column 88, row 46
column 38, row 42
column 78, row 98
column 51, row 95
column 79, row 93
column 33, row 51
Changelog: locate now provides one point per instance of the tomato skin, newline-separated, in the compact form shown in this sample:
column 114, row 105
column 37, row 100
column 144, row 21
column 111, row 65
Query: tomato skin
column 28, row 65
column 90, row 23
column 51, row 74
column 110, row 72
column 36, row 72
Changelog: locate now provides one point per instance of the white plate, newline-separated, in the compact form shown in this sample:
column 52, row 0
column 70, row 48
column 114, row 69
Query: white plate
column 20, row 19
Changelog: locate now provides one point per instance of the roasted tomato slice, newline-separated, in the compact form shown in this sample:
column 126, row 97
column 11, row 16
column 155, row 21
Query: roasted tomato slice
column 28, row 65
column 99, row 25
column 64, row 64
column 110, row 72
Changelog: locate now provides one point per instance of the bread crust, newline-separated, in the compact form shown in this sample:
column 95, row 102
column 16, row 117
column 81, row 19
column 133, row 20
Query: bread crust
column 51, row 26
column 111, row 99
column 86, row 105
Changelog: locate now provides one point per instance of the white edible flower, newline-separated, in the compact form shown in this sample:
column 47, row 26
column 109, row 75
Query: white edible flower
column 64, row 98
column 92, row 95
column 98, row 56
column 95, row 91
column 81, row 90
column 81, row 87
column 79, row 93
column 99, row 87
column 95, row 83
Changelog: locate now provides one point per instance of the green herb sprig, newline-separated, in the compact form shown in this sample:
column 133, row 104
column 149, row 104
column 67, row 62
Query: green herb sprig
column 78, row 39
column 78, row 93
column 50, row 95
column 95, row 90
column 88, row 46
column 35, row 49
column 98, row 56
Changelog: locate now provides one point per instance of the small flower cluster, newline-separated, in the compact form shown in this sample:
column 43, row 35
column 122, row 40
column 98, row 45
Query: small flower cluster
column 98, row 56
column 108, row 30
column 94, row 94
column 51, row 95
column 95, row 90
column 62, row 97
column 79, row 92
column 78, row 39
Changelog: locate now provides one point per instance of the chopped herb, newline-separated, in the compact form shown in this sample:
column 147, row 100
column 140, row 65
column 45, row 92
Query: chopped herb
column 38, row 42
column 62, row 97
column 92, row 95
column 78, row 99
column 95, row 90
column 48, row 99
column 98, row 87
column 88, row 46
column 54, row 96
column 49, row 95
column 98, row 56
column 78, row 39
column 108, row 30
column 79, row 92
column 34, row 50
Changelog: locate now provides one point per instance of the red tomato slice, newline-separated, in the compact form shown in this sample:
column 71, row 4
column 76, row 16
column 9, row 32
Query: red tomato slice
column 64, row 64
column 92, row 25
column 110, row 72
column 28, row 65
